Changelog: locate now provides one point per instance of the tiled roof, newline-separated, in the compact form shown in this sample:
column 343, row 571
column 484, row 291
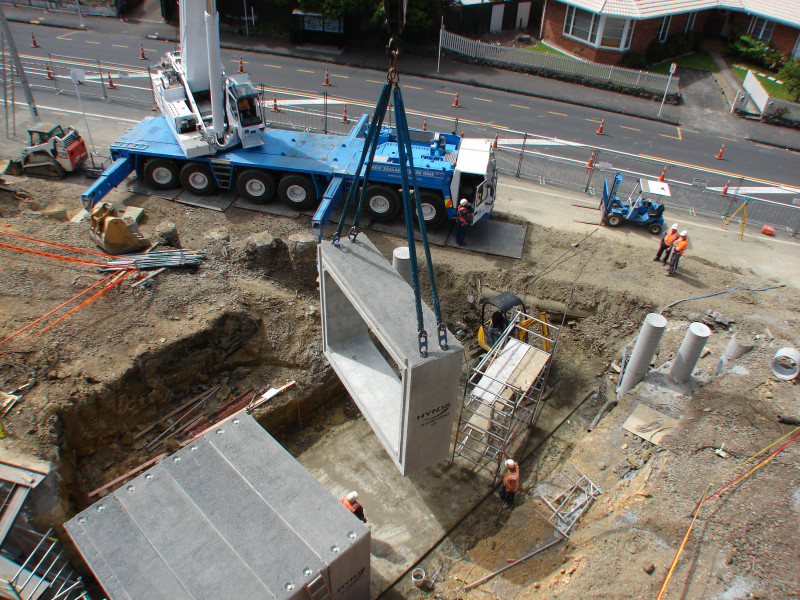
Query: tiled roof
column 785, row 11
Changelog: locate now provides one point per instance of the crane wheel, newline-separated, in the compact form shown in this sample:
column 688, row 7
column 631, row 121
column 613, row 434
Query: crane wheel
column 433, row 210
column 161, row 174
column 297, row 191
column 256, row 186
column 198, row 179
column 382, row 202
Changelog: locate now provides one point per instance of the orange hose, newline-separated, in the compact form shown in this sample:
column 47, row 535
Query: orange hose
column 22, row 237
column 59, row 307
column 47, row 254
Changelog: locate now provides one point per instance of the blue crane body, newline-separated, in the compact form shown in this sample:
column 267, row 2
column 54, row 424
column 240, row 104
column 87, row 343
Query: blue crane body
column 327, row 163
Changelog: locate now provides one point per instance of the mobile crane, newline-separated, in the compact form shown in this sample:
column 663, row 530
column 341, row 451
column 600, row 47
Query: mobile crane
column 212, row 136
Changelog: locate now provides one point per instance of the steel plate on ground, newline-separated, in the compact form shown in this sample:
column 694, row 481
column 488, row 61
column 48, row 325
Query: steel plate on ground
column 493, row 237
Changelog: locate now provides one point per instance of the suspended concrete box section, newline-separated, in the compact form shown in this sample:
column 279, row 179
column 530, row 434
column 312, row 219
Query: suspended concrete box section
column 369, row 336
column 231, row 515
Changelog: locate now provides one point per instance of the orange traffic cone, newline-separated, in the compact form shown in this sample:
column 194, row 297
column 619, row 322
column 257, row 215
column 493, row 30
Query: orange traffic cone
column 725, row 189
column 111, row 85
column 494, row 143
column 344, row 116
column 33, row 42
column 275, row 103
column 49, row 73
column 590, row 164
column 425, row 124
column 463, row 135
column 600, row 129
column 455, row 102
column 241, row 65
column 141, row 53
column 327, row 79
column 663, row 175
column 719, row 154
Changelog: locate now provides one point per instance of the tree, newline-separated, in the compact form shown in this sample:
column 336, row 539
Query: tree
column 790, row 75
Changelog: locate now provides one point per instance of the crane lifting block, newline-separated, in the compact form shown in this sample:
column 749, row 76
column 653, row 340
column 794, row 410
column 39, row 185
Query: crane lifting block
column 369, row 336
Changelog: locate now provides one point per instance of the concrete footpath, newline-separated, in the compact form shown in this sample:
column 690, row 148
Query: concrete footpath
column 705, row 108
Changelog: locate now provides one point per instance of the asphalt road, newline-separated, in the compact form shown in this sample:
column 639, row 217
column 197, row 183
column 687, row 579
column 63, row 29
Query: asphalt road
column 551, row 126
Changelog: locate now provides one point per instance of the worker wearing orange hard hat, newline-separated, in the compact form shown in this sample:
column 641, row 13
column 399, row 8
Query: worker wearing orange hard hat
column 666, row 243
column 350, row 502
column 510, row 483
column 678, row 248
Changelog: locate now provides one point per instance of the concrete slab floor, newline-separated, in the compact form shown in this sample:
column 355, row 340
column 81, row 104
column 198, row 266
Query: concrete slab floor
column 407, row 515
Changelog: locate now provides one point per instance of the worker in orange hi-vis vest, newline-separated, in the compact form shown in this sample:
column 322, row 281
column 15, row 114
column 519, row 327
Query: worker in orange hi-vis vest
column 678, row 248
column 350, row 502
column 510, row 483
column 666, row 243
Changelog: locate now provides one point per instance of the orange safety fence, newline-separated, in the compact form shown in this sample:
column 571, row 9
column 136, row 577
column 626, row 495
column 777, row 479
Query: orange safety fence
column 706, row 497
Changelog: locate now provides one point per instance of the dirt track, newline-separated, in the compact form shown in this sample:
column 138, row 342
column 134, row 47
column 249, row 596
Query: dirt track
column 250, row 316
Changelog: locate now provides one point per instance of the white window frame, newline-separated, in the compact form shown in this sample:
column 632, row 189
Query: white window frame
column 760, row 27
column 663, row 30
column 690, row 18
column 796, row 50
column 597, row 25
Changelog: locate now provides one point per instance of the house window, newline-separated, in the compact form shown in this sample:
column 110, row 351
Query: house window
column 598, row 31
column 663, row 31
column 689, row 22
column 581, row 24
column 613, row 32
column 796, row 49
column 761, row 29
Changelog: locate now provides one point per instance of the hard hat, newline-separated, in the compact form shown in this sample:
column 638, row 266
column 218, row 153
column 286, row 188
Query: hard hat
column 674, row 226
column 464, row 202
column 352, row 496
column 510, row 464
column 684, row 233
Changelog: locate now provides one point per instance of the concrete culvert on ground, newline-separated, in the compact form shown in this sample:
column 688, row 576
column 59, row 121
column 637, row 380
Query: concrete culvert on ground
column 249, row 317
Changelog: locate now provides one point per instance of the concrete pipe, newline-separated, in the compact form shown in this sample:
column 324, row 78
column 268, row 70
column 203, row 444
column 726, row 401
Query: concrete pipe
column 738, row 346
column 786, row 364
column 690, row 350
column 643, row 351
column 401, row 261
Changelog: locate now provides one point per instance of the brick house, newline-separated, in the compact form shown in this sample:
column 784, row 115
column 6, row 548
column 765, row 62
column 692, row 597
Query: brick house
column 604, row 30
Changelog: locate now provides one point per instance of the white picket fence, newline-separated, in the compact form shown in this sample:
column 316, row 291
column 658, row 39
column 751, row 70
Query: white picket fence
column 554, row 65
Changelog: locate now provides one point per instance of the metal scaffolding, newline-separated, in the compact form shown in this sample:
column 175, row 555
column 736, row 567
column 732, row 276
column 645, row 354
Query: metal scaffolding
column 505, row 393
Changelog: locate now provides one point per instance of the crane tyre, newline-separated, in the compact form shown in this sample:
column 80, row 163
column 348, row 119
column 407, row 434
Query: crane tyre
column 198, row 179
column 256, row 186
column 161, row 174
column 382, row 202
column 614, row 220
column 297, row 191
column 433, row 210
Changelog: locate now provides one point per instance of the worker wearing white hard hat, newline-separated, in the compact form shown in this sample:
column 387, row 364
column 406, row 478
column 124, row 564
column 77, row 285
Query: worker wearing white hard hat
column 678, row 248
column 350, row 502
column 510, row 483
column 667, row 240
column 464, row 219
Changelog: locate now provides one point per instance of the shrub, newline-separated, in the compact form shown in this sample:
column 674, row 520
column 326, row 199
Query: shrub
column 756, row 52
column 633, row 60
column 790, row 75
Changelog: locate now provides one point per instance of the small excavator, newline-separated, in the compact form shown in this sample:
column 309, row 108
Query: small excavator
column 51, row 153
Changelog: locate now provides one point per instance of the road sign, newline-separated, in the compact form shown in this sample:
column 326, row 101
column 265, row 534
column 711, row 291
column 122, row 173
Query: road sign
column 672, row 67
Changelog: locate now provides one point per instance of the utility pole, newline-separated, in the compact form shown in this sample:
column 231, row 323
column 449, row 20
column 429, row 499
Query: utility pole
column 12, row 48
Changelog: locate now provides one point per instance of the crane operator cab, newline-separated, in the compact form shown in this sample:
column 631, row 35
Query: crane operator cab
column 245, row 112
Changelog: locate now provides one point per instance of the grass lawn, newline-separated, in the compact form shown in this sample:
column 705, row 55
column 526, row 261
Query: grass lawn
column 774, row 89
column 543, row 48
column 697, row 60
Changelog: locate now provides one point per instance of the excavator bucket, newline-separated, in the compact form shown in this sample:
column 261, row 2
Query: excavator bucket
column 110, row 232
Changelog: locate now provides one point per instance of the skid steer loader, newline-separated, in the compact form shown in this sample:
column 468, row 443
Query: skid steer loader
column 52, row 152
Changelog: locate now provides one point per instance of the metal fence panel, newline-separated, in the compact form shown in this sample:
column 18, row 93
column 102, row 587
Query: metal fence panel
column 560, row 65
